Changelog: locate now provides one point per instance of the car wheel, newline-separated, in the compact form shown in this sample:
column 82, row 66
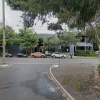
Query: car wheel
column 42, row 56
column 62, row 57
column 54, row 57
column 33, row 56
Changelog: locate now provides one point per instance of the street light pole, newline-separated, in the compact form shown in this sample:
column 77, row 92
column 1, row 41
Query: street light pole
column 3, row 13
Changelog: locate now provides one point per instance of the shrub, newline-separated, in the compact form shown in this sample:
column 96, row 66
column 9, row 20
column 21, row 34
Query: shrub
column 85, row 53
column 81, row 53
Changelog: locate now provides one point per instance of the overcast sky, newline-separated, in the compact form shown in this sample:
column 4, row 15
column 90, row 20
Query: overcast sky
column 13, row 19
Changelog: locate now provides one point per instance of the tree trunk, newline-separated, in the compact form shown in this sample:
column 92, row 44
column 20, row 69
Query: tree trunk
column 26, row 51
column 95, row 33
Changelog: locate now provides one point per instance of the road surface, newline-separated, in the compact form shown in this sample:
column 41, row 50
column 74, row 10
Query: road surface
column 27, row 78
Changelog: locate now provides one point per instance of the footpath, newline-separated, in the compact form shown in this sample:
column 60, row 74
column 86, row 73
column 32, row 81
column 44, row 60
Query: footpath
column 80, row 80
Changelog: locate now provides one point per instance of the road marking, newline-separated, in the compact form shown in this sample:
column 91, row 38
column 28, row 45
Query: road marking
column 32, row 63
column 55, row 65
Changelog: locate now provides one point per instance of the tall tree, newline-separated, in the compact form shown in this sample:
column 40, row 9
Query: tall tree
column 75, row 13
column 65, row 39
column 27, row 39
column 10, row 36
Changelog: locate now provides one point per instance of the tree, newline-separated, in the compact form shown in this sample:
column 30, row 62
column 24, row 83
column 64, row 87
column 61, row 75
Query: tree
column 27, row 39
column 91, row 38
column 65, row 39
column 10, row 36
column 76, row 13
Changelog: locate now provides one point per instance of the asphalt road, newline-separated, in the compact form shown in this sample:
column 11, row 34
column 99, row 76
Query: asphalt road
column 27, row 78
column 48, row 60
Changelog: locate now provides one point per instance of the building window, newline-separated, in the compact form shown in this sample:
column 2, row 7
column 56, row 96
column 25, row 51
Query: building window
column 83, row 39
column 88, row 48
column 80, row 48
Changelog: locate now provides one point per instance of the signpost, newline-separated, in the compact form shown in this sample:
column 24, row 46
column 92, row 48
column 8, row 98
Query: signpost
column 59, row 55
column 4, row 42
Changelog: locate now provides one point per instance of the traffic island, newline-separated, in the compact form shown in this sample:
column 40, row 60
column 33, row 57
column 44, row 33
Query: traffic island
column 80, row 80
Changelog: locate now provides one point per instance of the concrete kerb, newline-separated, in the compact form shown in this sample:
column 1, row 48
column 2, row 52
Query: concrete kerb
column 5, row 66
column 69, row 97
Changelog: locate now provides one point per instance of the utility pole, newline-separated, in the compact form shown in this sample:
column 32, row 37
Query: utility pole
column 4, row 42
column 59, row 55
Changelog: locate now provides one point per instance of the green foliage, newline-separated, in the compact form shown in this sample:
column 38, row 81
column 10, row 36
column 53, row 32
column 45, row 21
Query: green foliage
column 68, row 38
column 85, row 53
column 75, row 13
column 81, row 53
column 65, row 10
column 95, row 46
column 63, row 40
column 51, row 42
column 9, row 36
column 99, row 69
column 27, row 39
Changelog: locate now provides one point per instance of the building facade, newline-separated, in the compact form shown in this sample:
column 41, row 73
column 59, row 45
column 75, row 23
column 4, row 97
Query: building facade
column 82, row 45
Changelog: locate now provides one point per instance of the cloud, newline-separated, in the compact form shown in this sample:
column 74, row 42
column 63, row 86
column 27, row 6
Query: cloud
column 13, row 19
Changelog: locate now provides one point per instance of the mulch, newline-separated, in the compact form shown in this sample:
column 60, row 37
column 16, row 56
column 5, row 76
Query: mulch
column 80, row 80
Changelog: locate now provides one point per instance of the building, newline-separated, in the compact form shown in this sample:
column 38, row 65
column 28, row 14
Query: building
column 82, row 45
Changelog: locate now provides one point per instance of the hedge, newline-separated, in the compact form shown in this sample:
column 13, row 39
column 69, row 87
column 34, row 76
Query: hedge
column 85, row 53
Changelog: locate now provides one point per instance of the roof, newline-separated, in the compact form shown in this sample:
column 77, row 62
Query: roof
column 47, row 35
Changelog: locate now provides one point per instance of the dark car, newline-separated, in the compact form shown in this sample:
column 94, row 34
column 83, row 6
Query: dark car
column 21, row 55
column 7, row 55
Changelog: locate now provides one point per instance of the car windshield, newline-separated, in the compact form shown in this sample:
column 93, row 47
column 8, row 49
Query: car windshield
column 20, row 53
column 37, row 52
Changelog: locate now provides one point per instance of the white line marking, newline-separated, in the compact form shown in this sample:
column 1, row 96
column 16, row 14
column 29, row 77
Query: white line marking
column 31, row 63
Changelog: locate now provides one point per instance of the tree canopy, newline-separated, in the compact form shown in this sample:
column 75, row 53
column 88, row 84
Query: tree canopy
column 76, row 13
column 66, row 39
column 27, row 39
column 9, row 34
column 65, row 10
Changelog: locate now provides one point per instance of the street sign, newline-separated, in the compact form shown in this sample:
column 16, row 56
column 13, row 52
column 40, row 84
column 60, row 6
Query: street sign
column 5, row 43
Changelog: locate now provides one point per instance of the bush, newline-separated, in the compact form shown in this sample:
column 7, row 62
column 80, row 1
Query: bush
column 81, row 53
column 85, row 53
column 99, row 69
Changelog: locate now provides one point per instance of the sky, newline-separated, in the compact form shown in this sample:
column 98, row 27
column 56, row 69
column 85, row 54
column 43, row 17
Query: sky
column 13, row 19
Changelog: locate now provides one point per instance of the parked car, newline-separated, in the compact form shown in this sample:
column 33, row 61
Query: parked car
column 38, row 54
column 97, row 52
column 21, row 55
column 7, row 55
column 57, row 55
